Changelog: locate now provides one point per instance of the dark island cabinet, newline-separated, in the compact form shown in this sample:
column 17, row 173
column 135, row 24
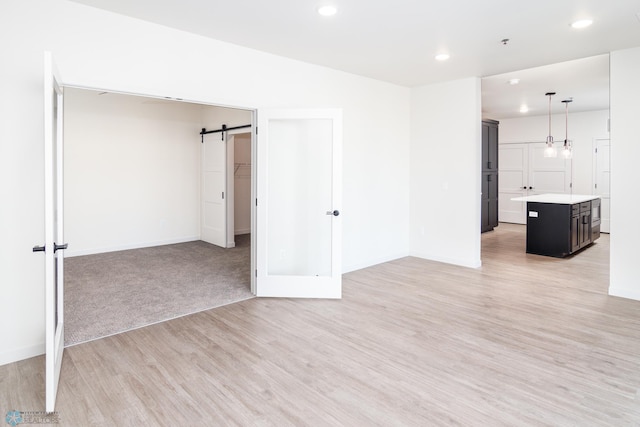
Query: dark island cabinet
column 489, row 209
column 559, row 230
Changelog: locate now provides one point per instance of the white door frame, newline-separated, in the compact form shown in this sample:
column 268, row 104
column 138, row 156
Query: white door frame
column 605, row 206
column 230, row 187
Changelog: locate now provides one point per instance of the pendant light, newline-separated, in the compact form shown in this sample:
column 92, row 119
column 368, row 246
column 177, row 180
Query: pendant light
column 550, row 151
column 567, row 149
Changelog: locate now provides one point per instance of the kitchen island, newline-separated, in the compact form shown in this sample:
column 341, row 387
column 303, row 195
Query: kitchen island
column 559, row 225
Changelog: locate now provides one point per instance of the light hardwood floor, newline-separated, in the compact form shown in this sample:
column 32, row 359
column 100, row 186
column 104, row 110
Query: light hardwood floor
column 523, row 340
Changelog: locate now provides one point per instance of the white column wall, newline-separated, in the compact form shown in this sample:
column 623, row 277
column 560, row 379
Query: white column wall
column 98, row 49
column 625, row 154
column 445, row 172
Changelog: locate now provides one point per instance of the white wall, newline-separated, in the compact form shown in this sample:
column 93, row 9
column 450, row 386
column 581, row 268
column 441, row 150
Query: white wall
column 583, row 128
column 98, row 49
column 445, row 172
column 625, row 153
column 132, row 172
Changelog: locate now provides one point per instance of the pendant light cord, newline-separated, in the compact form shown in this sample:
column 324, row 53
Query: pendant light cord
column 549, row 137
column 566, row 123
column 549, row 118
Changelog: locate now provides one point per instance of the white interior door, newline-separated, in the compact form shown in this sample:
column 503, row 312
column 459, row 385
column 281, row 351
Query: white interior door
column 524, row 171
column 298, row 202
column 513, row 181
column 547, row 174
column 54, row 221
column 213, row 217
column 602, row 175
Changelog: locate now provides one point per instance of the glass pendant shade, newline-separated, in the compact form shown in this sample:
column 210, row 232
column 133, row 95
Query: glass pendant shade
column 550, row 151
column 567, row 151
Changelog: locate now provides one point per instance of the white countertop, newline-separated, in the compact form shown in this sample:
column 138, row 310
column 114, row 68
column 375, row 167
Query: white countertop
column 561, row 199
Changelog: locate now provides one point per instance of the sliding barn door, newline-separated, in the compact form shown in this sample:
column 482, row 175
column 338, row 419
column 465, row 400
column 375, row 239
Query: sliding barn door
column 213, row 215
column 298, row 202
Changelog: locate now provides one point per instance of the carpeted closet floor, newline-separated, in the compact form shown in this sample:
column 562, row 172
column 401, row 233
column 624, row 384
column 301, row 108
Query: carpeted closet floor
column 117, row 291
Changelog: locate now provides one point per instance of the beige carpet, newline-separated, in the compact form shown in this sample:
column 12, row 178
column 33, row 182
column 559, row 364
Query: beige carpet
column 117, row 291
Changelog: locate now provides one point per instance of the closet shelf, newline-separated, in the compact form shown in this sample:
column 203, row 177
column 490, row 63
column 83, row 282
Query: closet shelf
column 241, row 165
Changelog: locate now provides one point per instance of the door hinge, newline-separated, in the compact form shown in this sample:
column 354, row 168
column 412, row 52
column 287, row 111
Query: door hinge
column 596, row 185
column 256, row 201
column 256, row 272
column 223, row 195
column 256, row 130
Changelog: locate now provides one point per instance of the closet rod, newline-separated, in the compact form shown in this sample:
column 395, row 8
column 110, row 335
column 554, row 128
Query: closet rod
column 223, row 129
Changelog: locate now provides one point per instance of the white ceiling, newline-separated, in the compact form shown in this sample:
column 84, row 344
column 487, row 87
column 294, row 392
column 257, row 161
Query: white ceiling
column 397, row 41
column 585, row 81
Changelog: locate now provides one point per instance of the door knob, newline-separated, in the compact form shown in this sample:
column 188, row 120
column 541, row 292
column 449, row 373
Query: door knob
column 57, row 247
column 38, row 249
column 334, row 213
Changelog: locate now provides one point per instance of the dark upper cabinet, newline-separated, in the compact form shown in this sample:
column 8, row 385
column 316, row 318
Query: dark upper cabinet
column 490, row 145
column 489, row 209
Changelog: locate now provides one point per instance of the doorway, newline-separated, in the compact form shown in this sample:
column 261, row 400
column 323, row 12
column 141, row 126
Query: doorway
column 133, row 184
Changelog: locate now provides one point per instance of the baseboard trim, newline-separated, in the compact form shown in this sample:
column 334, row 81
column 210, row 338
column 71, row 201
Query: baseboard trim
column 382, row 260
column 454, row 261
column 242, row 231
column 19, row 354
column 71, row 253
column 624, row 293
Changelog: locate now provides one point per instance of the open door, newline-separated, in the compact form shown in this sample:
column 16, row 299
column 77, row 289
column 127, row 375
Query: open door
column 214, row 190
column 54, row 221
column 298, row 200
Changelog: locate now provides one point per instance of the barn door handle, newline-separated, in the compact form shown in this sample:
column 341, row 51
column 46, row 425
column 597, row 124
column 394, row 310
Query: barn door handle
column 57, row 247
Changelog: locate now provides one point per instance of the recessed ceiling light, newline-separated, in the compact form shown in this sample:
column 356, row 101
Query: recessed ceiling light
column 442, row 56
column 583, row 23
column 524, row 109
column 514, row 81
column 327, row 10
